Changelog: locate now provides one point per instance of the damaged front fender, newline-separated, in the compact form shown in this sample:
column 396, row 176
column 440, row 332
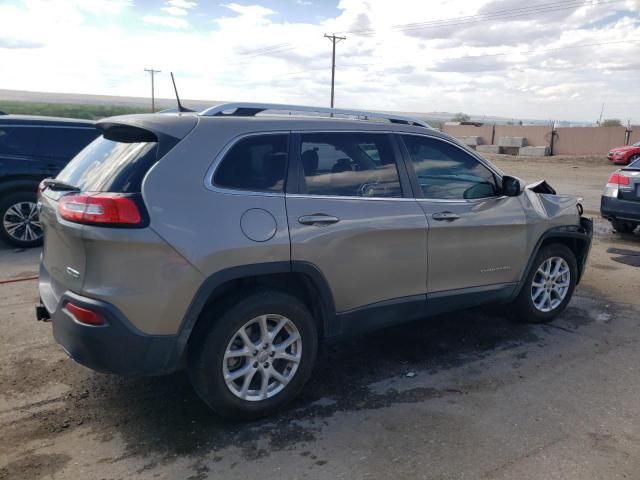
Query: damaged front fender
column 541, row 198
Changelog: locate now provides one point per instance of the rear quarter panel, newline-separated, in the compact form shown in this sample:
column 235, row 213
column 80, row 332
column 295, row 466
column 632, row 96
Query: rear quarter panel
column 201, row 224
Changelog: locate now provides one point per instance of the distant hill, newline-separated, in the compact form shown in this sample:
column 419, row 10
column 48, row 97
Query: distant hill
column 116, row 105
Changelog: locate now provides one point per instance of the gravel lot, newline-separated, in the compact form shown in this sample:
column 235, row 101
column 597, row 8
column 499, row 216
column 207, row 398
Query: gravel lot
column 489, row 399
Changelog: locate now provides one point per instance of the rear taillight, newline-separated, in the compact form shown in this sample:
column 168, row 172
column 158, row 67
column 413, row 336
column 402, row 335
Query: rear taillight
column 620, row 179
column 85, row 315
column 617, row 180
column 108, row 209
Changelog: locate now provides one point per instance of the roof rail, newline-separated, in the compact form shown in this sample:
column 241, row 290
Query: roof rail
column 252, row 109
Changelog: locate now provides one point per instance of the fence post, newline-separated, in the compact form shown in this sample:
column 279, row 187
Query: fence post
column 553, row 133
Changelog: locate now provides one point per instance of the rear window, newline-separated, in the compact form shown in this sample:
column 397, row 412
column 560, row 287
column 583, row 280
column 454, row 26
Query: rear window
column 110, row 166
column 64, row 142
column 635, row 165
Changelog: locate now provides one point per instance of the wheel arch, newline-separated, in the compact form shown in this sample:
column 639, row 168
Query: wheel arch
column 302, row 279
column 18, row 184
column 576, row 237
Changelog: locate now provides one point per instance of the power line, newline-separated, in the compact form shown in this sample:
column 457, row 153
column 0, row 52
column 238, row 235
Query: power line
column 262, row 49
column 334, row 40
column 525, row 52
column 496, row 15
column 285, row 47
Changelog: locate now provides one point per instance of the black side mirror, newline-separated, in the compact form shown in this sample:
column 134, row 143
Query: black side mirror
column 511, row 186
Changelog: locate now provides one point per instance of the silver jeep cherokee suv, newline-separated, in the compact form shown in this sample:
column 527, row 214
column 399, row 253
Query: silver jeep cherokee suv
column 237, row 240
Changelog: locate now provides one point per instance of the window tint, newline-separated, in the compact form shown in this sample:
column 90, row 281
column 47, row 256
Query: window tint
column 18, row 140
column 445, row 171
column 65, row 142
column 256, row 163
column 110, row 166
column 349, row 164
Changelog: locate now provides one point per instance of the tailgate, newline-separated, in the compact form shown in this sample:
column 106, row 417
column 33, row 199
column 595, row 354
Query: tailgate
column 63, row 255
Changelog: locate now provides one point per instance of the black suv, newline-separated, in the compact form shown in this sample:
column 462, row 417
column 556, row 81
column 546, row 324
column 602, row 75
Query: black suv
column 33, row 148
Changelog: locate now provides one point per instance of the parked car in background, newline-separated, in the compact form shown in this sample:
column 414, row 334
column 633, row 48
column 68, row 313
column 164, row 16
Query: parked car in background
column 620, row 202
column 624, row 155
column 31, row 149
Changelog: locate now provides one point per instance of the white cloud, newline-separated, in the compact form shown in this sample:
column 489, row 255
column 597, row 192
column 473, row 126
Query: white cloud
column 164, row 21
column 478, row 68
column 178, row 7
column 182, row 4
column 180, row 12
column 255, row 11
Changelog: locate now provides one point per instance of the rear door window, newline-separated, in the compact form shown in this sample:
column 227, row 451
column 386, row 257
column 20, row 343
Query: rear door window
column 110, row 166
column 18, row 140
column 349, row 164
column 256, row 163
column 64, row 142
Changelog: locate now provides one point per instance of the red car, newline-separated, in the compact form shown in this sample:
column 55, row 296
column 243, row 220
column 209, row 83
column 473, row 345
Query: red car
column 624, row 155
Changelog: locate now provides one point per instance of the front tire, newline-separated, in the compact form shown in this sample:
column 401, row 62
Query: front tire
column 548, row 287
column 256, row 357
column 19, row 220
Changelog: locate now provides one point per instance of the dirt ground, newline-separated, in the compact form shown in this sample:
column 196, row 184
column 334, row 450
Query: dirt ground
column 485, row 399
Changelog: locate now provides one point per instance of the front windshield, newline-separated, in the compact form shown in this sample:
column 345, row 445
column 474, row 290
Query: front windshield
column 637, row 144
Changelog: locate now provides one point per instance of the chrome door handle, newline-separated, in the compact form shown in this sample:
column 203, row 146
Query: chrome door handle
column 318, row 219
column 445, row 216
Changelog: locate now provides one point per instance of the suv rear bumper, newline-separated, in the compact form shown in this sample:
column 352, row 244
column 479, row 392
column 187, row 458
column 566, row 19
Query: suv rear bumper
column 117, row 347
column 617, row 209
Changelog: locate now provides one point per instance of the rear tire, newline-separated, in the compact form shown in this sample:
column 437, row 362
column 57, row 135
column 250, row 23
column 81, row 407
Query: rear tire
column 623, row 227
column 543, row 296
column 235, row 346
column 19, row 220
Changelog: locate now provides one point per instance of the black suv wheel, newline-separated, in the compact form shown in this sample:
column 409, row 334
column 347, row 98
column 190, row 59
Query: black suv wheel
column 623, row 227
column 256, row 357
column 19, row 221
column 548, row 287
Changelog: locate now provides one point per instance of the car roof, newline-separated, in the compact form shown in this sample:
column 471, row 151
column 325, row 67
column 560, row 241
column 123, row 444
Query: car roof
column 177, row 124
column 45, row 121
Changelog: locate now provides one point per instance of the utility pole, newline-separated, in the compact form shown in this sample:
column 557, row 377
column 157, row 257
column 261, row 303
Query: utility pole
column 153, row 94
column 334, row 39
column 601, row 112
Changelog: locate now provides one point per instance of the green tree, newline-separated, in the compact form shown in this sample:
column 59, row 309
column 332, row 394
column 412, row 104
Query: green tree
column 611, row 122
column 461, row 117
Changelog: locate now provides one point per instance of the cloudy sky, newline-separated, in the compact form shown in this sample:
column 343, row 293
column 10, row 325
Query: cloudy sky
column 545, row 59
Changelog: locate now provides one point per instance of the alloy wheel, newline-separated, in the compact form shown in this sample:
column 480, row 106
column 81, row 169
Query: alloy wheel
column 262, row 357
column 550, row 284
column 22, row 223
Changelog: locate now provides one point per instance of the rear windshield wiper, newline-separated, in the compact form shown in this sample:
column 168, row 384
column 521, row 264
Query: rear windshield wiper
column 54, row 184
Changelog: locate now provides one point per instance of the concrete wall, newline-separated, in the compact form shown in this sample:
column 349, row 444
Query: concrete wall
column 567, row 141
column 537, row 136
column 587, row 140
column 470, row 131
